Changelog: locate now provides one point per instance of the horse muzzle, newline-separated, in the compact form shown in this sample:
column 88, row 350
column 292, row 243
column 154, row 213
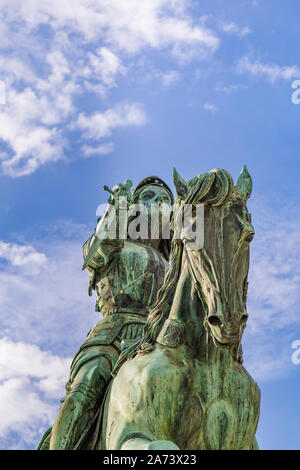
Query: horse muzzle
column 227, row 333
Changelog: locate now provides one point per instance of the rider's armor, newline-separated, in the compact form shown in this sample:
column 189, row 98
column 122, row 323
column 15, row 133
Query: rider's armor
column 126, row 276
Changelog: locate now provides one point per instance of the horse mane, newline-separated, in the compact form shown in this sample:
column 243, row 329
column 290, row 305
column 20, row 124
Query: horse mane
column 213, row 188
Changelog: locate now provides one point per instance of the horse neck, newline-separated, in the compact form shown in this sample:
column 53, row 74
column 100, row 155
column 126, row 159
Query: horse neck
column 187, row 309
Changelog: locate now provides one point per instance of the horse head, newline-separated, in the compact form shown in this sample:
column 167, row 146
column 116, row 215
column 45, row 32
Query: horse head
column 220, row 266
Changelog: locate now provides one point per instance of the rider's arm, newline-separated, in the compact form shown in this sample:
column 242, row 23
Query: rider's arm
column 108, row 249
column 106, row 244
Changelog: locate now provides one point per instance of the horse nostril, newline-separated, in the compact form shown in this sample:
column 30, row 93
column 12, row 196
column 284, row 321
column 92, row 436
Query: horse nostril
column 244, row 318
column 250, row 237
column 214, row 320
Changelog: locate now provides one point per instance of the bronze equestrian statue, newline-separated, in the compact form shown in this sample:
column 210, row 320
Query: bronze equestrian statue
column 182, row 385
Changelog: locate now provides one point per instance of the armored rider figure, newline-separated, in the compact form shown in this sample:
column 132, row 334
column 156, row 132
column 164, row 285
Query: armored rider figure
column 126, row 273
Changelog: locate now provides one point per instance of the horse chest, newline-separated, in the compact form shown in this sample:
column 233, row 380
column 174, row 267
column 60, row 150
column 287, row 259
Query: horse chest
column 210, row 405
column 229, row 400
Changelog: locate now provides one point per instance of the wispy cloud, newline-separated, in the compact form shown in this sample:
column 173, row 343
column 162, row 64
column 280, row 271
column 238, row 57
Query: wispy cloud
column 229, row 89
column 232, row 28
column 105, row 65
column 275, row 271
column 21, row 255
column 50, row 70
column 45, row 316
column 274, row 294
column 101, row 125
column 272, row 72
column 103, row 149
column 170, row 78
column 30, row 382
column 52, row 293
column 210, row 107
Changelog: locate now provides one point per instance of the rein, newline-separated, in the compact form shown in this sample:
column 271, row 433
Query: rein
column 197, row 284
column 199, row 291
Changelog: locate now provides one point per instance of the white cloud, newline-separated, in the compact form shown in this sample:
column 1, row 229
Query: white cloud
column 233, row 28
column 126, row 26
column 101, row 125
column 49, row 68
column 19, row 255
column 18, row 359
column 170, row 78
column 210, row 107
column 59, row 67
column 45, row 316
column 30, row 380
column 230, row 89
column 16, row 69
column 275, row 271
column 24, row 415
column 28, row 125
column 264, row 361
column 272, row 72
column 48, row 304
column 102, row 149
column 106, row 65
column 274, row 294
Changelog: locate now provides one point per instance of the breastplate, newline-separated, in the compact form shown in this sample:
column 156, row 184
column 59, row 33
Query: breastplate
column 131, row 281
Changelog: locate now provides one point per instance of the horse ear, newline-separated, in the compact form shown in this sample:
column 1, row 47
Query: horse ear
column 243, row 187
column 180, row 185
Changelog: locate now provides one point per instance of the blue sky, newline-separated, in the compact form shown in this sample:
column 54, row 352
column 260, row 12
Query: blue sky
column 101, row 91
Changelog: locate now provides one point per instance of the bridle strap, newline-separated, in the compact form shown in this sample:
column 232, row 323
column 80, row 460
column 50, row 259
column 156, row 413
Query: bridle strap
column 197, row 284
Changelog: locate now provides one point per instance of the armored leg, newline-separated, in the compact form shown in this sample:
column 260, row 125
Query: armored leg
column 80, row 404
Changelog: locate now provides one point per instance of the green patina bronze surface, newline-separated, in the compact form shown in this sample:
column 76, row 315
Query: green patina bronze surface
column 179, row 382
column 126, row 275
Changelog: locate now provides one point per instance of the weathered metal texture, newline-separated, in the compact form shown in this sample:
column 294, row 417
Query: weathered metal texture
column 184, row 385
column 126, row 275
